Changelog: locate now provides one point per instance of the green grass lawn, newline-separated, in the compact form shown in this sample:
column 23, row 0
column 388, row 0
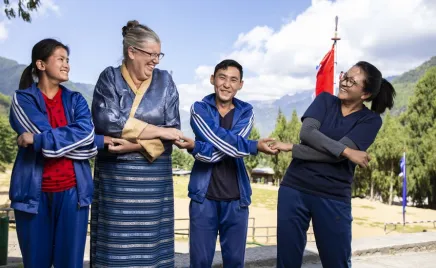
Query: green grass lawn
column 398, row 228
column 410, row 228
column 181, row 186
column 263, row 198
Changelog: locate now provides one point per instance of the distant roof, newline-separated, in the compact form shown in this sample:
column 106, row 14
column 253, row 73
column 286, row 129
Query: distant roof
column 264, row 170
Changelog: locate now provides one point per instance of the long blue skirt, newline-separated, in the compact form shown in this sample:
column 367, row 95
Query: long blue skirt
column 132, row 214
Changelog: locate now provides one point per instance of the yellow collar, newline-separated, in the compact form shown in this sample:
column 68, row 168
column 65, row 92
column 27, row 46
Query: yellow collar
column 142, row 88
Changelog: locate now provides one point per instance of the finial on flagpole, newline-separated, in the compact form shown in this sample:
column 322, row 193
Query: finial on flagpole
column 336, row 38
column 335, row 43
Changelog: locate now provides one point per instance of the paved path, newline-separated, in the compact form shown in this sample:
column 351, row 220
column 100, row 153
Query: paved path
column 367, row 252
column 405, row 260
column 14, row 252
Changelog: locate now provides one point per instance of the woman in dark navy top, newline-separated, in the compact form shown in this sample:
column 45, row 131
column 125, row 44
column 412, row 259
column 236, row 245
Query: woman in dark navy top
column 335, row 135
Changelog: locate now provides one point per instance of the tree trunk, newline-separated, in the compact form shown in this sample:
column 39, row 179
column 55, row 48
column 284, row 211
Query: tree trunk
column 372, row 189
column 391, row 184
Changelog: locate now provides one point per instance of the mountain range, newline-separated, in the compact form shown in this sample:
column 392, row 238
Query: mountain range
column 265, row 111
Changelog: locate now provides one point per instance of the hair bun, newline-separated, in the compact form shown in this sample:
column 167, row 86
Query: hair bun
column 130, row 25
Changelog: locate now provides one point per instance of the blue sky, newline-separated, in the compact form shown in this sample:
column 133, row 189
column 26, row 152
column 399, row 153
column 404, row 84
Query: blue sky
column 278, row 42
column 192, row 32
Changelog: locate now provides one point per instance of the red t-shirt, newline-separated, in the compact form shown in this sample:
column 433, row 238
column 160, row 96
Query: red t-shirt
column 58, row 174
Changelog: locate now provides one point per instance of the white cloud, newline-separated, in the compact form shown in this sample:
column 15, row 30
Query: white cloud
column 256, row 38
column 271, row 86
column 189, row 93
column 47, row 7
column 366, row 27
column 396, row 36
column 3, row 31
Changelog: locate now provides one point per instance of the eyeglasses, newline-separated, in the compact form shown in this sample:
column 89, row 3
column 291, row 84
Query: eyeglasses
column 152, row 55
column 349, row 82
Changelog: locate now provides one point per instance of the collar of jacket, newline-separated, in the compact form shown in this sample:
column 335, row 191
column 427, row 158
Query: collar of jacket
column 35, row 92
column 239, row 105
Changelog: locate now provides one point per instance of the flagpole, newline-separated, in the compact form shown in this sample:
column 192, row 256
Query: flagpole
column 404, row 190
column 335, row 39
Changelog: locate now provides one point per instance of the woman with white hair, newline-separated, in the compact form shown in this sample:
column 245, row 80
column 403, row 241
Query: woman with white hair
column 132, row 214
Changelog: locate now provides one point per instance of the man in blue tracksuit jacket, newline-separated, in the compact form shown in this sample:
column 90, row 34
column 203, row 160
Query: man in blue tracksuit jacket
column 219, row 186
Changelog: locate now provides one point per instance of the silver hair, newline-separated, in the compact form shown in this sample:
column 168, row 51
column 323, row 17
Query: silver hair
column 134, row 34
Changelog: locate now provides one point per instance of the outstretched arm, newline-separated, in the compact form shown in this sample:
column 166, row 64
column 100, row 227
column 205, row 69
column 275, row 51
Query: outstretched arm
column 352, row 146
column 305, row 152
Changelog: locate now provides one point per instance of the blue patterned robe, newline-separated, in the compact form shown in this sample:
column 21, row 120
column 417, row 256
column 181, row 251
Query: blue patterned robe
column 132, row 215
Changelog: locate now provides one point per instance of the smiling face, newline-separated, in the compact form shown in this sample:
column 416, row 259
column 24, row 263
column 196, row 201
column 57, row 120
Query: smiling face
column 56, row 67
column 352, row 84
column 226, row 82
column 144, row 59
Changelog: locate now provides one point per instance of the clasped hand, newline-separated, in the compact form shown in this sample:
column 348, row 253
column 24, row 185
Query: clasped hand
column 263, row 145
column 25, row 139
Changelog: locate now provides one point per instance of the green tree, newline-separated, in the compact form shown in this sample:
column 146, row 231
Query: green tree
column 280, row 133
column 24, row 7
column 388, row 149
column 177, row 158
column 5, row 103
column 293, row 128
column 364, row 182
column 419, row 121
column 429, row 146
column 189, row 161
column 8, row 145
column 182, row 159
column 281, row 127
column 252, row 161
column 5, row 100
column 286, row 132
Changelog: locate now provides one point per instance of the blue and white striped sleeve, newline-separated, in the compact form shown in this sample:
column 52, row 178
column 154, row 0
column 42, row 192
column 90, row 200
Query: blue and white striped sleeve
column 60, row 141
column 22, row 108
column 83, row 153
column 214, row 142
column 54, row 142
column 87, row 151
column 75, row 141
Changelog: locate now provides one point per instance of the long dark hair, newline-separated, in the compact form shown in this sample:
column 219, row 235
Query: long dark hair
column 382, row 91
column 41, row 51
